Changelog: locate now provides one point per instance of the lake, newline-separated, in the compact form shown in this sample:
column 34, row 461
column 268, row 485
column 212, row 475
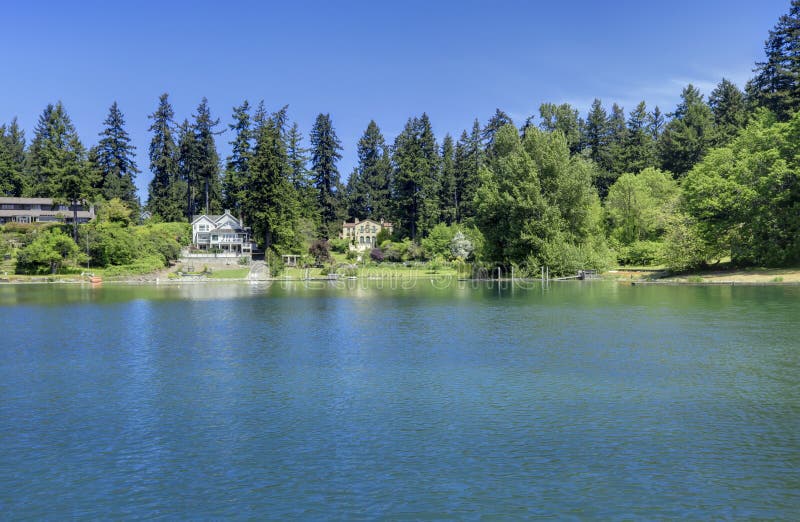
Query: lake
column 412, row 401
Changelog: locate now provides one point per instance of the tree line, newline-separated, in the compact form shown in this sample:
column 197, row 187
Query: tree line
column 562, row 189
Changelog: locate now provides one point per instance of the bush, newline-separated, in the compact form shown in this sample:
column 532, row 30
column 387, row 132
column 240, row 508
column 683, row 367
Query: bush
column 376, row 255
column 320, row 251
column 340, row 246
column 48, row 252
column 438, row 241
column 642, row 253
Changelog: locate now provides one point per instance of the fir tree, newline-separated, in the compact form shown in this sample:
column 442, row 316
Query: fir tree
column 596, row 133
column 655, row 123
column 369, row 184
column 187, row 161
column 238, row 162
column 687, row 137
column 776, row 84
column 495, row 123
column 207, row 160
column 565, row 119
column 468, row 159
column 639, row 146
column 12, row 160
column 730, row 111
column 166, row 191
column 325, row 147
column 448, row 199
column 113, row 159
column 270, row 201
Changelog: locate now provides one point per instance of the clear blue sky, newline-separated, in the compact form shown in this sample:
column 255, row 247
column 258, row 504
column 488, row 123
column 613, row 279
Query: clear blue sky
column 358, row 61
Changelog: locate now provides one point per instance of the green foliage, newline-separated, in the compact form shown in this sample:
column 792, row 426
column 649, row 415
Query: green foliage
column 688, row 135
column 641, row 253
column 745, row 196
column 13, row 180
column 113, row 160
column 114, row 211
column 438, row 242
column 238, row 163
column 776, row 85
column 340, row 246
column 166, row 192
column 536, row 205
column 320, row 250
column 639, row 206
column 368, row 189
column 50, row 250
column 325, row 147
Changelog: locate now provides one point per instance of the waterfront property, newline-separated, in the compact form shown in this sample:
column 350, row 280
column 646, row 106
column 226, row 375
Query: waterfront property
column 41, row 210
column 363, row 234
column 224, row 233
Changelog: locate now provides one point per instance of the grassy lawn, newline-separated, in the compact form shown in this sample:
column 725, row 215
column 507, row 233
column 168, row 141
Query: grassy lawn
column 233, row 273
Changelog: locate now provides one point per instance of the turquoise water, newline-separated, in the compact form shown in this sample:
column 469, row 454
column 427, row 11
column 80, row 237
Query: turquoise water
column 578, row 400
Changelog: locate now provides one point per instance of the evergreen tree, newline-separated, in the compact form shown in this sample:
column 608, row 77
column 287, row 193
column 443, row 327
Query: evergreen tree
column 299, row 175
column 495, row 123
column 776, row 84
column 113, row 159
column 469, row 158
column 416, row 164
column 687, row 137
column 270, row 201
column 655, row 123
column 325, row 147
column 166, row 191
column 369, row 184
column 617, row 139
column 596, row 133
column 207, row 160
column 448, row 195
column 238, row 162
column 58, row 161
column 730, row 112
column 639, row 147
column 12, row 160
column 188, row 169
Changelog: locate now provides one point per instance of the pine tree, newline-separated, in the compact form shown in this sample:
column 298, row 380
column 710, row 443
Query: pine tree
column 499, row 120
column 468, row 159
column 730, row 111
column 617, row 139
column 270, row 201
column 12, row 160
column 238, row 162
column 776, row 84
column 166, row 191
column 429, row 215
column 639, row 146
column 687, row 137
column 325, row 147
column 187, row 161
column 113, row 159
column 369, row 184
column 299, row 175
column 207, row 165
column 448, row 200
column 58, row 161
column 596, row 133
column 655, row 123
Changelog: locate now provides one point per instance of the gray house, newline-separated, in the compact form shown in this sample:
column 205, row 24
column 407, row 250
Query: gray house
column 39, row 210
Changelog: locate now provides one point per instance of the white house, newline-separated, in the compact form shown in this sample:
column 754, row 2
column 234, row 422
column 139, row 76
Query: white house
column 224, row 233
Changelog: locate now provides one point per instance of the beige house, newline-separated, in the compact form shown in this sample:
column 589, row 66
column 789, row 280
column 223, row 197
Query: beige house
column 363, row 234
column 36, row 210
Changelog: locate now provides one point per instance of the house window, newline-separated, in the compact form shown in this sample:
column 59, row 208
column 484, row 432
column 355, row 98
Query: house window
column 215, row 238
column 203, row 228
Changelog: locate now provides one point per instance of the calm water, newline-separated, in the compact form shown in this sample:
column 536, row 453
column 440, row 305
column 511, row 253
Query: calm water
column 581, row 401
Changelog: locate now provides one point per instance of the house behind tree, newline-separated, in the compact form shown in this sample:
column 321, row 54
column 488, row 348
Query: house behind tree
column 363, row 235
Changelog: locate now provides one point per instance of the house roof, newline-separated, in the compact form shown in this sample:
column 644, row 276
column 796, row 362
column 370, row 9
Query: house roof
column 372, row 221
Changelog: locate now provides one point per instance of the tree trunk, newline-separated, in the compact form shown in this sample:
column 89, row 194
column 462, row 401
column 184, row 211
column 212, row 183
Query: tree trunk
column 267, row 240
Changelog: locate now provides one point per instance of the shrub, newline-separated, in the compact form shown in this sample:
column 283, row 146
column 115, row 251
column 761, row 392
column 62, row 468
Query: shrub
column 339, row 245
column 48, row 252
column 320, row 251
column 376, row 255
column 640, row 253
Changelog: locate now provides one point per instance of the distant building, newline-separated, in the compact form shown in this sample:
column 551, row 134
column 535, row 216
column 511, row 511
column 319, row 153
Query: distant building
column 41, row 210
column 224, row 233
column 364, row 234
